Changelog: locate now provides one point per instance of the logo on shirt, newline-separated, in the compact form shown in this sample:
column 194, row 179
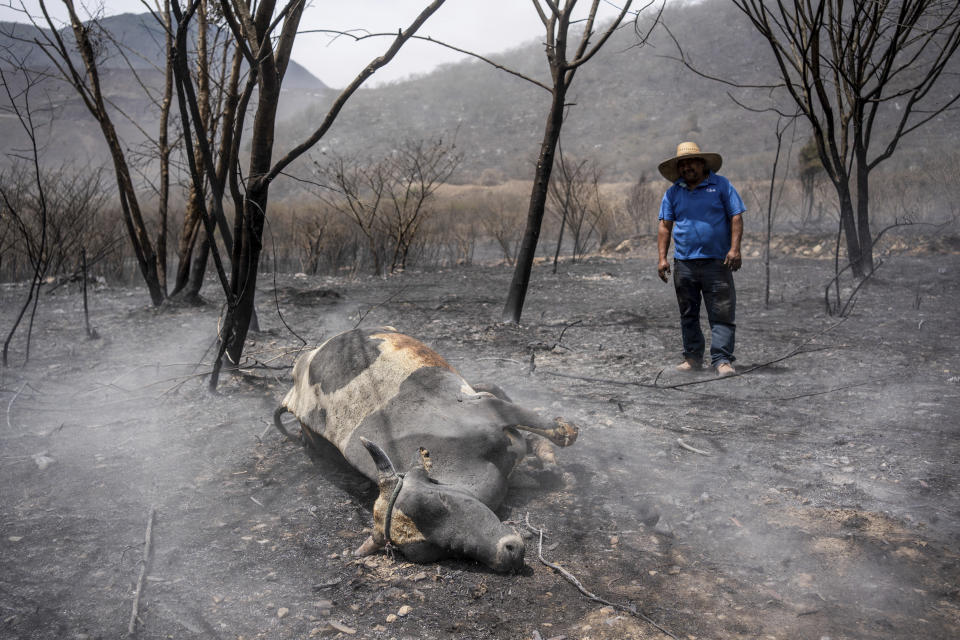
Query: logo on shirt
column 711, row 190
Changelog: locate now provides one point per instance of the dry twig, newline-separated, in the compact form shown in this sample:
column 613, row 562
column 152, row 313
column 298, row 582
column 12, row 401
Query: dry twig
column 362, row 316
column 592, row 596
column 148, row 540
column 10, row 404
column 684, row 445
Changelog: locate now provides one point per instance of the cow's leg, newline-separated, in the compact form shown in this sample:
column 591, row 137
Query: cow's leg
column 492, row 389
column 309, row 437
column 556, row 430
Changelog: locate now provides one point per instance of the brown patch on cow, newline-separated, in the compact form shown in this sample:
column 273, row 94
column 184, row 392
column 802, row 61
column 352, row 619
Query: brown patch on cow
column 403, row 531
column 416, row 351
column 425, row 460
column 402, row 528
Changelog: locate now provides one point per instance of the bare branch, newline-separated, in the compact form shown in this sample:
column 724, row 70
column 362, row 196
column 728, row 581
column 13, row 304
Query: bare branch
column 441, row 43
column 400, row 39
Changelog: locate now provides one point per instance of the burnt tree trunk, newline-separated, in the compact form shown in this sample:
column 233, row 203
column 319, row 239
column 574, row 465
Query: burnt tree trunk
column 556, row 18
column 538, row 201
column 864, row 238
column 129, row 206
column 189, row 232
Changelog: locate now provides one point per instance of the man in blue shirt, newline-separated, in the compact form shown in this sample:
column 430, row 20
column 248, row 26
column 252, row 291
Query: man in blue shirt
column 703, row 213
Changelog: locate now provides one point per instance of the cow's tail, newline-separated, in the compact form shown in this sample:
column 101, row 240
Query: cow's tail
column 279, row 424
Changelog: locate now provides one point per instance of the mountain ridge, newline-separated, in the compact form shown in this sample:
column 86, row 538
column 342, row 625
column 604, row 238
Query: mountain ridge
column 629, row 106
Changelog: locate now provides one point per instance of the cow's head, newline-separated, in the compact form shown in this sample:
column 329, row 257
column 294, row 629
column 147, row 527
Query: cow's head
column 428, row 521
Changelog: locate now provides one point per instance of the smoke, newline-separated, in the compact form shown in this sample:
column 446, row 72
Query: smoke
column 825, row 499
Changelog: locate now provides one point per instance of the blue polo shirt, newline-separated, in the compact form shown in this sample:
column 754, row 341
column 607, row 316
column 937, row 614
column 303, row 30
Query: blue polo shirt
column 701, row 218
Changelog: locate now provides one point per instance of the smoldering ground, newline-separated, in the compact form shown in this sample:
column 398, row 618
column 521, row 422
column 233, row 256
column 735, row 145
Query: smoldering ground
column 827, row 506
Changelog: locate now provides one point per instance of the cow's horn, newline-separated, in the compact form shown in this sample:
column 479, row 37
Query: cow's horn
column 385, row 469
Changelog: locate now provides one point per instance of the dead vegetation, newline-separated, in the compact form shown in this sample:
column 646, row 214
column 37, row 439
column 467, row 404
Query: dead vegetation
column 827, row 505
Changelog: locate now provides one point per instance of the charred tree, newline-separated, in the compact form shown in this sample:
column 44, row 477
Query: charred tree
column 557, row 20
column 862, row 74
column 36, row 247
column 265, row 34
column 87, row 85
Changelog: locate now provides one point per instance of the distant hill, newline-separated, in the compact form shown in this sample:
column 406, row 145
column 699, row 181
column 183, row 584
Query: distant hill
column 630, row 106
column 135, row 41
column 132, row 57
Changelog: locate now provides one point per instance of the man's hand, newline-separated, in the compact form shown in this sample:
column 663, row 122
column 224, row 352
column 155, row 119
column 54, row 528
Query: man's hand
column 664, row 231
column 663, row 269
column 732, row 261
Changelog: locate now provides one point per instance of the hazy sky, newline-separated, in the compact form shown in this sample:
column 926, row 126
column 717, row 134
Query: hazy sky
column 483, row 26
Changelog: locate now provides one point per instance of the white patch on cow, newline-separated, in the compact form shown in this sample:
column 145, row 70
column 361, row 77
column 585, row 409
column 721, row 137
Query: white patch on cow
column 366, row 393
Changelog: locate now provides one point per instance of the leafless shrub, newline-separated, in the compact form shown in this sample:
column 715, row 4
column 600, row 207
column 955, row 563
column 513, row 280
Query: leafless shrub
column 643, row 205
column 575, row 200
column 390, row 199
column 78, row 217
column 499, row 216
column 330, row 245
column 453, row 238
column 918, row 196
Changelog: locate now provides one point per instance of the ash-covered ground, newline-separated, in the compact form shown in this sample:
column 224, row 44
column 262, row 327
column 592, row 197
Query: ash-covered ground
column 827, row 506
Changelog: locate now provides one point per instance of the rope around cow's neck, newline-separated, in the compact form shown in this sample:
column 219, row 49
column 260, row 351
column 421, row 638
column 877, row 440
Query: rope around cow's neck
column 390, row 503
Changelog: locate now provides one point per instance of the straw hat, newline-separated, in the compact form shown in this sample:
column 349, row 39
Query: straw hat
column 668, row 168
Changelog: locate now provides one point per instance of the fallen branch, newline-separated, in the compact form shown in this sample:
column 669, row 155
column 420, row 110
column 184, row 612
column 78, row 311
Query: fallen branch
column 362, row 316
column 793, row 352
column 573, row 580
column 622, row 383
column 559, row 342
column 684, row 445
column 810, row 394
column 148, row 539
column 10, row 404
column 498, row 359
column 647, row 385
column 851, row 299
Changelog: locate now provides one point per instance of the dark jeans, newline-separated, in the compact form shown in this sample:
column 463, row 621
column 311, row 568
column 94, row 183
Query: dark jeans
column 712, row 280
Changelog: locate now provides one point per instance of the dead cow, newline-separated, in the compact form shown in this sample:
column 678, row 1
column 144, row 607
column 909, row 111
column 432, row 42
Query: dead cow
column 380, row 396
